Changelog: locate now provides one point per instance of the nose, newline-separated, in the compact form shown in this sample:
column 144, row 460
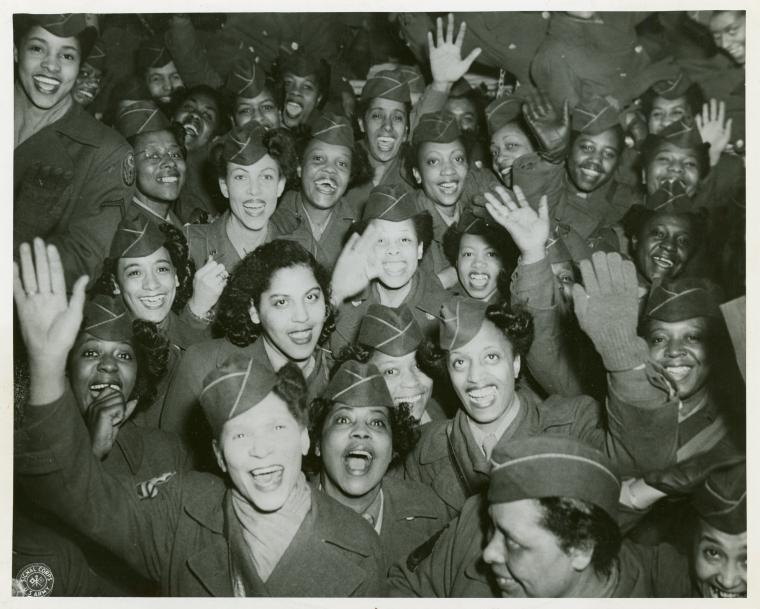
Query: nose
column 494, row 553
column 260, row 447
column 51, row 63
column 478, row 261
column 675, row 348
column 359, row 430
column 300, row 312
column 150, row 282
column 474, row 371
column 447, row 169
column 730, row 575
column 107, row 363
column 669, row 244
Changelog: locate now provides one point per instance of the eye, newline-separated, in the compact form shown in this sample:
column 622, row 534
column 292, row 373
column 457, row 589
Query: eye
column 164, row 268
column 658, row 233
column 239, row 177
column 280, row 426
column 343, row 164
column 126, row 356
column 610, row 155
column 457, row 363
column 378, row 423
column 176, row 155
column 690, row 164
column 280, row 303
column 245, row 111
column 134, row 273
column 399, row 118
column 494, row 151
column 656, row 340
column 34, row 48
column 314, row 296
column 88, row 353
column 375, row 116
column 684, row 242
column 431, row 162
column 69, row 57
column 317, row 158
column 391, row 372
column 239, row 436
column 512, row 545
column 657, row 114
column 587, row 148
column 466, row 254
column 460, row 159
column 694, row 338
column 712, row 554
column 493, row 357
column 491, row 254
column 267, row 108
column 154, row 157
column 342, row 419
column 406, row 240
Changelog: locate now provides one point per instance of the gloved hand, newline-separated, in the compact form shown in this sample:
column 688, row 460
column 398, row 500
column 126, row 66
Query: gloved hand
column 550, row 129
column 684, row 477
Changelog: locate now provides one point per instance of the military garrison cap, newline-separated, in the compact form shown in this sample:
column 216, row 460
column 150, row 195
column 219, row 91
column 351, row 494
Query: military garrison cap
column 393, row 202
column 437, row 127
column 501, row 111
column 136, row 237
column 357, row 384
column 333, row 129
column 141, row 117
column 63, row 25
column 244, row 145
column 387, row 84
column 392, row 331
column 106, row 318
column 97, row 56
column 461, row 319
column 683, row 298
column 153, row 53
column 721, row 500
column 247, row 78
column 595, row 115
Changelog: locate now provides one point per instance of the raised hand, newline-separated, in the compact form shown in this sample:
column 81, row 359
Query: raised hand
column 104, row 416
column 551, row 129
column 529, row 229
column 714, row 128
column 446, row 63
column 356, row 265
column 208, row 285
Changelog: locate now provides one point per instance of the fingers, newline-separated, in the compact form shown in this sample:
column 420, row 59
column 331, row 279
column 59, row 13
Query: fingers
column 474, row 54
column 57, row 276
column 601, row 268
column 462, row 30
column 566, row 113
column 439, row 31
column 28, row 275
column 580, row 297
column 729, row 124
column 78, row 294
column 588, row 277
column 630, row 279
column 721, row 113
column 450, row 29
column 617, row 279
column 520, row 196
column 543, row 209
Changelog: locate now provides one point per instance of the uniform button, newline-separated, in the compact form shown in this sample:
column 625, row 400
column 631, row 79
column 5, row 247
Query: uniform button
column 638, row 48
column 264, row 33
column 512, row 46
column 294, row 45
column 546, row 14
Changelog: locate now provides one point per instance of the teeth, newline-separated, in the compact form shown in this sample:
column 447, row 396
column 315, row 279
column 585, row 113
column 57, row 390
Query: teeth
column 300, row 336
column 506, row 171
column 718, row 593
column 101, row 386
column 412, row 399
column 153, row 302
column 326, row 185
column 663, row 262
column 190, row 129
column 484, row 396
column 591, row 173
column 479, row 279
column 358, row 461
column 678, row 372
column 385, row 143
column 293, row 109
column 168, row 180
column 448, row 187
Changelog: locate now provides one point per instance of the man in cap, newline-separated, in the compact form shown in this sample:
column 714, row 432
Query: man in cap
column 192, row 533
column 158, row 161
column 71, row 178
column 551, row 509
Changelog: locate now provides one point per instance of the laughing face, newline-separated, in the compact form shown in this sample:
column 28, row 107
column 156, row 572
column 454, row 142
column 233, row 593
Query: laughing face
column 356, row 447
column 261, row 108
column 325, row 173
column 48, row 66
column 302, row 96
column 385, row 124
column 593, row 159
column 162, row 82
column 720, row 563
column 397, row 251
column 261, row 450
column 406, row 383
column 508, row 144
column 465, row 112
column 292, row 312
column 96, row 365
column 148, row 285
column 160, row 166
column 87, row 85
column 199, row 116
column 253, row 191
column 483, row 374
column 682, row 349
column 663, row 247
column 478, row 266
column 442, row 171
column 729, row 33
column 669, row 163
column 666, row 111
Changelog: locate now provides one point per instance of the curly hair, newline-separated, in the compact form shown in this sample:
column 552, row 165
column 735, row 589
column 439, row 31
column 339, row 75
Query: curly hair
column 580, row 524
column 516, row 323
column 152, row 352
column 252, row 277
column 322, row 73
column 693, row 97
column 404, row 431
column 176, row 245
column 291, row 387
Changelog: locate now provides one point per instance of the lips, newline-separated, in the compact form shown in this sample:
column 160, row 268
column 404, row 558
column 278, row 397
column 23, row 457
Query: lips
column 168, row 177
column 449, row 187
column 662, row 261
column 254, row 207
column 716, row 592
column 358, row 460
column 293, row 109
column 100, row 385
column 394, row 267
column 410, row 399
column 678, row 372
column 482, row 397
column 591, row 171
column 326, row 185
column 46, row 84
column 192, row 126
column 385, row 144
column 153, row 302
column 267, row 478
column 301, row 337
column 478, row 281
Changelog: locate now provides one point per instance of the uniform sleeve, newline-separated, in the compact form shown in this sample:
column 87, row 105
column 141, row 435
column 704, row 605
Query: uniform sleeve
column 189, row 55
column 538, row 177
column 346, row 326
column 55, row 466
column 182, row 399
column 84, row 243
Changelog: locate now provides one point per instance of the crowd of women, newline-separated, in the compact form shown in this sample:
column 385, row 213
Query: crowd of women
column 380, row 305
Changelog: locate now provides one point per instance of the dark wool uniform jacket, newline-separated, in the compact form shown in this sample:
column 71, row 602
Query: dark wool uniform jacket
column 177, row 536
column 454, row 567
column 82, row 220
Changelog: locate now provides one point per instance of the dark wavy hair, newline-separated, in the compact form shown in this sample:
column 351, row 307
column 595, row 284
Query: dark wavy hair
column 583, row 525
column 252, row 277
column 516, row 323
column 152, row 351
column 279, row 144
column 404, row 432
column 693, row 97
column 291, row 387
column 361, row 170
column 176, row 245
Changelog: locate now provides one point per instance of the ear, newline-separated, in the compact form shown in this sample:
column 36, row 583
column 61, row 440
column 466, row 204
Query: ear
column 306, row 442
column 254, row 314
column 223, row 188
column 516, row 363
column 417, row 176
column 219, row 455
column 580, row 558
column 361, row 124
column 176, row 280
column 643, row 176
column 420, row 251
column 281, row 186
column 116, row 288
column 298, row 171
column 634, row 242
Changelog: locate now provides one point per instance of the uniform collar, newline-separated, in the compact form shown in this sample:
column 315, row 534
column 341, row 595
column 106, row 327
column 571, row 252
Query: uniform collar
column 77, row 125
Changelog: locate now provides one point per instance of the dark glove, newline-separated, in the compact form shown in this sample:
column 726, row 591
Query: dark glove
column 684, row 477
column 550, row 129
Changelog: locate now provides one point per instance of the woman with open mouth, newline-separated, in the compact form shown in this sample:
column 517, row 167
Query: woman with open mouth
column 317, row 215
column 91, row 73
column 510, row 135
column 358, row 433
column 275, row 308
column 111, row 373
column 304, row 83
column 388, row 339
column 382, row 266
column 150, row 269
column 253, row 164
column 194, row 534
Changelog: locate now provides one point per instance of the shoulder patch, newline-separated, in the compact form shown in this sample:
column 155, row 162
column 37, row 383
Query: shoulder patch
column 128, row 173
column 149, row 488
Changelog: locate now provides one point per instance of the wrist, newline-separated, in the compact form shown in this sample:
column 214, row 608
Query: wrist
column 200, row 310
column 532, row 256
column 442, row 86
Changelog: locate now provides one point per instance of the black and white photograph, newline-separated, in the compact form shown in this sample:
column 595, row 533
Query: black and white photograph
column 393, row 305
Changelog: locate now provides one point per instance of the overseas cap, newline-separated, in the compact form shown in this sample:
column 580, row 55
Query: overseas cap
column 333, row 129
column 357, row 384
column 97, row 56
column 553, row 466
column 682, row 133
column 413, row 78
column 461, row 321
column 136, row 237
column 595, row 115
column 393, row 202
column 437, row 127
column 683, row 298
column 501, row 111
column 153, row 53
column 674, row 86
column 244, row 145
column 721, row 500
column 301, row 64
column 387, row 84
column 247, row 78
column 392, row 331
column 106, row 318
column 141, row 117
column 64, row 25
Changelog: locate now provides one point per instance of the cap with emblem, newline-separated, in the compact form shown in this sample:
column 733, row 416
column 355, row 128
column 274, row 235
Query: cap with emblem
column 247, row 78
column 461, row 319
column 674, row 86
column 153, row 53
column 721, row 500
column 96, row 58
column 413, row 78
column 136, row 237
column 244, row 145
column 392, row 331
column 595, row 114
column 106, row 318
column 501, row 111
column 682, row 133
column 553, row 466
column 357, row 384
column 388, row 84
column 670, row 197
column 437, row 127
column 683, row 298
column 392, row 202
column 470, row 224
column 239, row 384
column 333, row 129
column 63, row 25
column 141, row 117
